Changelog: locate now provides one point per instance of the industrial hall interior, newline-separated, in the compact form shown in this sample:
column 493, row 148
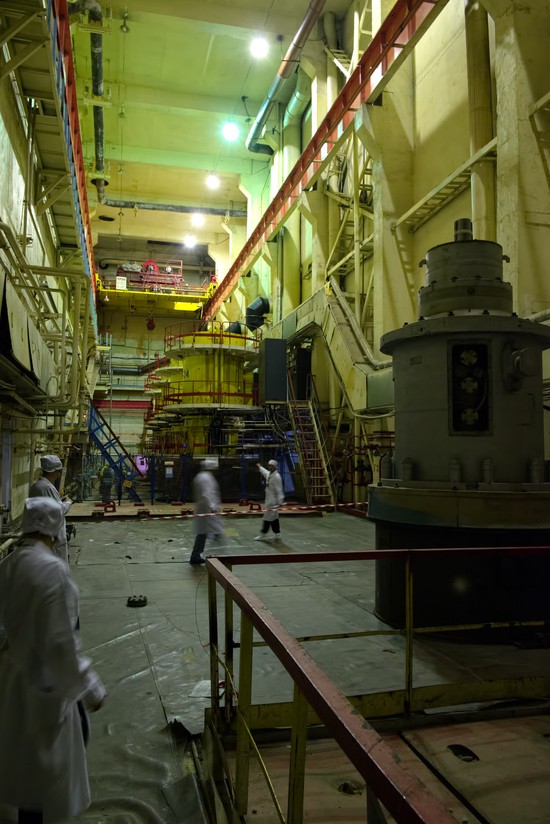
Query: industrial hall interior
column 275, row 324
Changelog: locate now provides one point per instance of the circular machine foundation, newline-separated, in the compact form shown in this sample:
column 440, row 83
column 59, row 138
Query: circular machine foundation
column 465, row 590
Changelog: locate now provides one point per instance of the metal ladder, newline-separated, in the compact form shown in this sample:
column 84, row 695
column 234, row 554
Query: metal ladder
column 311, row 448
column 113, row 452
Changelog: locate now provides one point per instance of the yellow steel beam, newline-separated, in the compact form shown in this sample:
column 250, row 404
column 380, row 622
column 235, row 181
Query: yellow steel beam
column 244, row 702
column 297, row 771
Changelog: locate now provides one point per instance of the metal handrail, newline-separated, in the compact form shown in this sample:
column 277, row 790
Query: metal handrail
column 205, row 391
column 193, row 332
column 406, row 798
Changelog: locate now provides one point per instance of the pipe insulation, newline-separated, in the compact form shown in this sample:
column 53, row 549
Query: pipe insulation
column 289, row 64
column 95, row 15
column 173, row 207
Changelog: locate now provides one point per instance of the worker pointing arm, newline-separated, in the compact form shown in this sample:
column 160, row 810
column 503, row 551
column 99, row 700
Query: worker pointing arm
column 274, row 498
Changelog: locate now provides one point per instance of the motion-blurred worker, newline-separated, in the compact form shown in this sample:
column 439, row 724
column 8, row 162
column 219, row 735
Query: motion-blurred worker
column 206, row 523
column 106, row 480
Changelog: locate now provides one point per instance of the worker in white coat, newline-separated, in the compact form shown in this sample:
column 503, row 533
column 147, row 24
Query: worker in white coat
column 274, row 498
column 43, row 676
column 45, row 486
column 206, row 520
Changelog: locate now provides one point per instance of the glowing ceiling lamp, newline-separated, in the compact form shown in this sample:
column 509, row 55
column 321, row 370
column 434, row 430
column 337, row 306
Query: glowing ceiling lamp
column 213, row 182
column 259, row 47
column 197, row 219
column 189, row 241
column 230, row 131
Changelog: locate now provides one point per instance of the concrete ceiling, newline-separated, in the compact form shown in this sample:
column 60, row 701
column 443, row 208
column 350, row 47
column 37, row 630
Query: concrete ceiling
column 170, row 82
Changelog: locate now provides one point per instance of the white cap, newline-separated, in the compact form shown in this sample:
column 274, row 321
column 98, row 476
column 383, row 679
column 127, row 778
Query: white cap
column 50, row 463
column 44, row 515
column 209, row 463
column 273, row 463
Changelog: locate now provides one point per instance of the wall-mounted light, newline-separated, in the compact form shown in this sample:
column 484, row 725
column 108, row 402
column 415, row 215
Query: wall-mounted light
column 189, row 241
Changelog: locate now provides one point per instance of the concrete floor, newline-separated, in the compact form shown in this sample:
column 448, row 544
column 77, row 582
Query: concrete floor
column 154, row 660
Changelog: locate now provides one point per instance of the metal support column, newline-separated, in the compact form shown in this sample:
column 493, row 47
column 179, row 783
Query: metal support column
column 298, row 743
column 242, row 756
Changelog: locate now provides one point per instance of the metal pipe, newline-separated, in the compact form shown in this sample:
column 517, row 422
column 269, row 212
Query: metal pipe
column 29, row 170
column 172, row 207
column 104, row 263
column 17, row 260
column 289, row 63
column 74, row 385
column 356, row 231
column 96, row 49
column 298, row 102
column 478, row 58
column 289, row 261
column 95, row 15
column 7, row 544
column 84, row 349
column 329, row 28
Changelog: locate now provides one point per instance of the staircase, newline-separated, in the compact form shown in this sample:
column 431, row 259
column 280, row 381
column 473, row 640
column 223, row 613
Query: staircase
column 311, row 448
column 113, row 452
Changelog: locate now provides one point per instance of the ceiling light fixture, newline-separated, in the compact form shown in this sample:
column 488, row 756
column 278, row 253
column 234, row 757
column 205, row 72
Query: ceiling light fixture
column 230, row 131
column 189, row 241
column 197, row 219
column 213, row 182
column 124, row 28
column 259, row 47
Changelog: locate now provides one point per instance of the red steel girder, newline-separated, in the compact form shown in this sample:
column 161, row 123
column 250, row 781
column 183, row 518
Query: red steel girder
column 405, row 24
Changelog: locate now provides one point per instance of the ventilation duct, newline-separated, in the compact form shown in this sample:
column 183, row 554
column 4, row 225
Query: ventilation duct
column 95, row 15
column 173, row 207
column 255, row 313
column 235, row 328
column 287, row 67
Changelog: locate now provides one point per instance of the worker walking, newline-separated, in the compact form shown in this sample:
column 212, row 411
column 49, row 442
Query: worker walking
column 206, row 523
column 274, row 498
column 106, row 480
column 43, row 676
column 47, row 486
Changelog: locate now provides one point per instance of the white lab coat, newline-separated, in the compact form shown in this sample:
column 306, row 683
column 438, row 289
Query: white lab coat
column 42, row 675
column 44, row 487
column 274, row 494
column 206, row 494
